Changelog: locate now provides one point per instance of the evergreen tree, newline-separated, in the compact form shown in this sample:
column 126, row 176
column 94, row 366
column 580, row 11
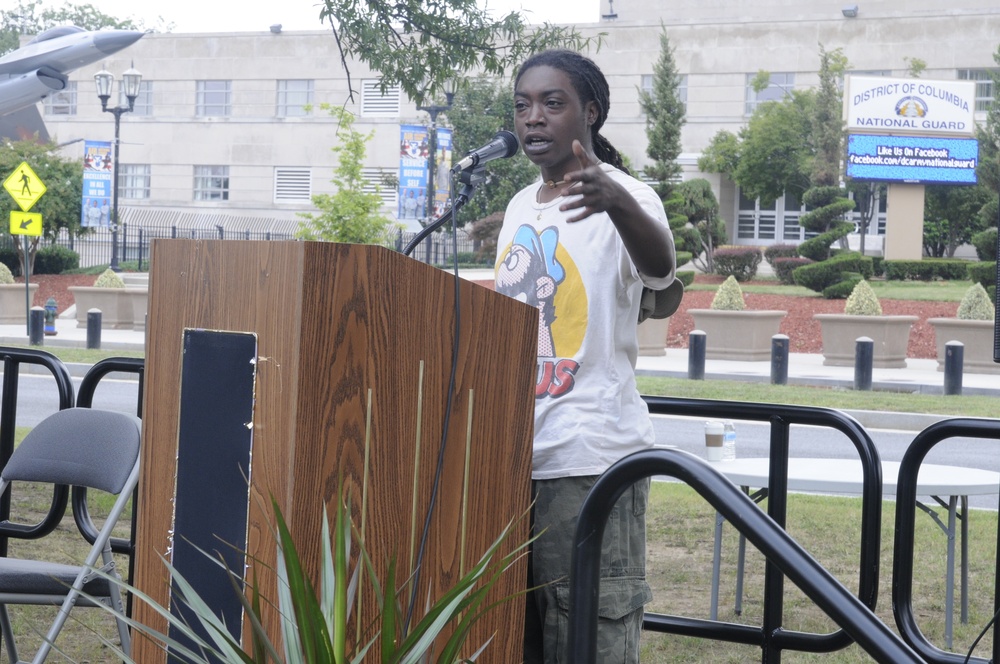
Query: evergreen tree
column 829, row 202
column 665, row 116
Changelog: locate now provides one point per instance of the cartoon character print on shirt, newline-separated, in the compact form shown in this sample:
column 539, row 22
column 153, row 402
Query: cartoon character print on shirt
column 536, row 269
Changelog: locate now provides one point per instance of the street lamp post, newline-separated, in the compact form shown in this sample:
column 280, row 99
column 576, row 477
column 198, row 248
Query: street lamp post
column 433, row 110
column 130, row 84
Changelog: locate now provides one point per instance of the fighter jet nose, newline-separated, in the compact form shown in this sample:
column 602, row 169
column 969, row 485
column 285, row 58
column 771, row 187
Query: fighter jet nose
column 112, row 41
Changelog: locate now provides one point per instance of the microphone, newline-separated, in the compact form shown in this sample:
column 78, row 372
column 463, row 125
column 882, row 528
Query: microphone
column 503, row 145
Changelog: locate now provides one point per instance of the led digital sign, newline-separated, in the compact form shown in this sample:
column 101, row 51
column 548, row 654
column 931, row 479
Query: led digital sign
column 912, row 159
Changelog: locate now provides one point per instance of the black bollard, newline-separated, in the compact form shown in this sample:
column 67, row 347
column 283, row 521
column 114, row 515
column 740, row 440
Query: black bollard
column 779, row 359
column 94, row 329
column 864, row 354
column 36, row 326
column 696, row 355
column 954, row 358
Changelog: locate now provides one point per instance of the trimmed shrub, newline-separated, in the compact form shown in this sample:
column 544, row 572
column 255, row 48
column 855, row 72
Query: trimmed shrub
column 8, row 256
column 785, row 265
column 818, row 248
column 821, row 275
column 928, row 269
column 686, row 277
column 984, row 273
column 109, row 279
column 5, row 276
column 862, row 301
column 976, row 304
column 776, row 251
column 684, row 257
column 738, row 262
column 878, row 265
column 986, row 244
column 842, row 289
column 55, row 260
column 729, row 297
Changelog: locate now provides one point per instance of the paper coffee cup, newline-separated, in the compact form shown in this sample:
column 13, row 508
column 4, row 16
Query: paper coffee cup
column 714, row 432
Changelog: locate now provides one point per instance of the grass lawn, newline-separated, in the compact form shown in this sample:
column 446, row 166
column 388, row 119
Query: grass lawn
column 680, row 532
column 680, row 535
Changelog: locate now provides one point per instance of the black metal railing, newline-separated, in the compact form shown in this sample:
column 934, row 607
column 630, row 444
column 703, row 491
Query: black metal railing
column 13, row 359
column 783, row 554
column 94, row 248
column 906, row 503
column 771, row 635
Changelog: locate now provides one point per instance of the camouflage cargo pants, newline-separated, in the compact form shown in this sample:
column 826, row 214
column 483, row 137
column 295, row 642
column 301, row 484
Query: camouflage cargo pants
column 624, row 590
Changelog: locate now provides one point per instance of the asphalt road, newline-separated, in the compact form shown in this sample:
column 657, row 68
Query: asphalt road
column 37, row 399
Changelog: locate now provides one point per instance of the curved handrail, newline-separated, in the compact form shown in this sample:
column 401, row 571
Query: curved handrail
column 13, row 358
column 781, row 416
column 856, row 619
column 906, row 501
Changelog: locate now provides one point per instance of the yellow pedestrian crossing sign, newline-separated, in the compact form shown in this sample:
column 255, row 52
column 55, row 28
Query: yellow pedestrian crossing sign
column 24, row 186
column 25, row 223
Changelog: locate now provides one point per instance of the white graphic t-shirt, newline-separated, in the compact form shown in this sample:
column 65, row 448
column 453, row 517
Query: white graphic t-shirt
column 588, row 412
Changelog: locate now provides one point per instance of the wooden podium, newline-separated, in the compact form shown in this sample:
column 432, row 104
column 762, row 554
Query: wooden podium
column 354, row 343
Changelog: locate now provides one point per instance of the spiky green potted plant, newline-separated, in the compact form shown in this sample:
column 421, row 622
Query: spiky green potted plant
column 973, row 327
column 108, row 295
column 13, row 300
column 863, row 317
column 733, row 332
column 317, row 624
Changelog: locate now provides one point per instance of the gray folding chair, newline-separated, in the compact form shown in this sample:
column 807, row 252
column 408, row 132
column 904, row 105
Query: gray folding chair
column 78, row 447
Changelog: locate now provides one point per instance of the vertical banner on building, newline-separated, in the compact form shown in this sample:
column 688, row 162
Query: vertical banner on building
column 97, row 173
column 414, row 150
column 442, row 178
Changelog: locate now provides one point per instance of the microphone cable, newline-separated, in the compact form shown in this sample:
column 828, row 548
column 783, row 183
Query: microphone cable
column 449, row 402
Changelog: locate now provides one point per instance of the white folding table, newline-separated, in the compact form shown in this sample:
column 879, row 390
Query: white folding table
column 844, row 476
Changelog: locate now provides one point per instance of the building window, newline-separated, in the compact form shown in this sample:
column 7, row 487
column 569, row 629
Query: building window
column 682, row 88
column 211, row 183
column 62, row 102
column 779, row 86
column 133, row 180
column 214, row 98
column 143, row 101
column 374, row 103
column 378, row 181
column 771, row 224
column 292, row 185
column 984, row 85
column 293, row 97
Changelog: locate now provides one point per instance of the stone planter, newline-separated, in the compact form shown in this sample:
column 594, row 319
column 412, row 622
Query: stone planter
column 976, row 337
column 890, row 334
column 12, row 302
column 738, row 335
column 115, row 305
column 140, row 301
column 652, row 336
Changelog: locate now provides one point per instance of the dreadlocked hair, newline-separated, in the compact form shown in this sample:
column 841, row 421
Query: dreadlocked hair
column 590, row 85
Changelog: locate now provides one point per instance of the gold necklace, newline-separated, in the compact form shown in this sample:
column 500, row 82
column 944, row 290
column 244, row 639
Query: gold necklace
column 552, row 184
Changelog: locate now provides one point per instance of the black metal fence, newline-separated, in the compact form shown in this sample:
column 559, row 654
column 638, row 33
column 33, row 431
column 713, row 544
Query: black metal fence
column 134, row 240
